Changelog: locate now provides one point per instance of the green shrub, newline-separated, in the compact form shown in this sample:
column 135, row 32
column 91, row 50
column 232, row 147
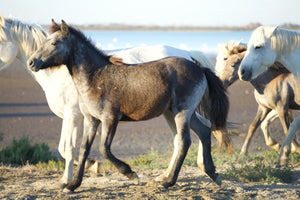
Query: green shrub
column 153, row 160
column 21, row 152
column 51, row 164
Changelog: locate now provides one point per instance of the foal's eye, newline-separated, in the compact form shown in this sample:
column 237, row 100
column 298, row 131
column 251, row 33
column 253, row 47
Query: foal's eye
column 225, row 59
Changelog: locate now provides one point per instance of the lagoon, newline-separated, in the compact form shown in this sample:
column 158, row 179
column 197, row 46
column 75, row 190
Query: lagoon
column 206, row 41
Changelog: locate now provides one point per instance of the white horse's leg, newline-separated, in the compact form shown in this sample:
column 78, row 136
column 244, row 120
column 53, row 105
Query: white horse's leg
column 270, row 142
column 285, row 122
column 200, row 160
column 72, row 124
column 286, row 146
column 62, row 141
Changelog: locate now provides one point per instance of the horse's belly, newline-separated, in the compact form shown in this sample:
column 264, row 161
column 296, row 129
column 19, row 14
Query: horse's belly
column 145, row 108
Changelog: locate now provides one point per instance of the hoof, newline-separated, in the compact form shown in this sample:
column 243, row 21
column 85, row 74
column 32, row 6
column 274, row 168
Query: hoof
column 282, row 162
column 160, row 178
column 276, row 147
column 135, row 179
column 167, row 184
column 67, row 191
column 243, row 153
column 60, row 185
column 218, row 180
column 164, row 182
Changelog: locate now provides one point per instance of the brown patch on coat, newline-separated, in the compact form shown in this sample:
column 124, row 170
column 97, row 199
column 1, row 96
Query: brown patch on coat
column 237, row 49
column 116, row 60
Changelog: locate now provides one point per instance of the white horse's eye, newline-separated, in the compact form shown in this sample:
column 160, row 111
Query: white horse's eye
column 225, row 58
column 257, row 47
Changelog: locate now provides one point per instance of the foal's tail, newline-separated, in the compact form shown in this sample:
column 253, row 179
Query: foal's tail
column 214, row 104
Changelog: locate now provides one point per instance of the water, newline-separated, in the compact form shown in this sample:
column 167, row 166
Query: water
column 206, row 41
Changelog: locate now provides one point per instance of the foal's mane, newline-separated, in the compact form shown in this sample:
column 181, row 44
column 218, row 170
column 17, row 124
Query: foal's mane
column 285, row 41
column 30, row 37
column 88, row 43
column 226, row 50
column 237, row 49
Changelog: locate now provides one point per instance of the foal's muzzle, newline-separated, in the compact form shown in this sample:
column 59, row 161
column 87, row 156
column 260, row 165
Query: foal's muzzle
column 33, row 65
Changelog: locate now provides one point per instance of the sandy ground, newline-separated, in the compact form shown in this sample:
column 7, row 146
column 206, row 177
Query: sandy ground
column 23, row 110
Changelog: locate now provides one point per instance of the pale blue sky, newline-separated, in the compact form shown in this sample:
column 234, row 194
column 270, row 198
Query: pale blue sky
column 154, row 12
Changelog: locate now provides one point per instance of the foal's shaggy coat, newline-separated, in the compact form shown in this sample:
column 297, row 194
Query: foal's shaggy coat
column 109, row 93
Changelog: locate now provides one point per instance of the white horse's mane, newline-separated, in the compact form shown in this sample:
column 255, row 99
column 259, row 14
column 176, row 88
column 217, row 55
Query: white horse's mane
column 30, row 37
column 2, row 27
column 285, row 41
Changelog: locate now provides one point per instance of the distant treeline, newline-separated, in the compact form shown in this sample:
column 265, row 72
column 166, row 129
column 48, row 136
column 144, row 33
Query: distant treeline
column 120, row 27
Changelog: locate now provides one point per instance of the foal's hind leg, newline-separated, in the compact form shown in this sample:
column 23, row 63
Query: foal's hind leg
column 270, row 142
column 182, row 142
column 203, row 122
column 204, row 134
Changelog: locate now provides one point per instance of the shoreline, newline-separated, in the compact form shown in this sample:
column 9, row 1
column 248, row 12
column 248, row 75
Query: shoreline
column 126, row 27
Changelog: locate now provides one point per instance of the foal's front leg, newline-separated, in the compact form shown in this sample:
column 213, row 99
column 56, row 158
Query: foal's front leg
column 90, row 127
column 260, row 116
column 109, row 127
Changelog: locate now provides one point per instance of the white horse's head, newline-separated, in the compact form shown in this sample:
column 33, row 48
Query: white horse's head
column 8, row 49
column 18, row 40
column 260, row 53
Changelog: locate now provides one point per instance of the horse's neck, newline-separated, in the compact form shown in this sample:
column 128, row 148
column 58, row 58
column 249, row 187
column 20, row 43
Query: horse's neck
column 83, row 64
column 263, row 80
column 291, row 61
column 258, row 85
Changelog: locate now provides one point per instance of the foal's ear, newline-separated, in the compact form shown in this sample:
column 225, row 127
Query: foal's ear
column 55, row 27
column 64, row 28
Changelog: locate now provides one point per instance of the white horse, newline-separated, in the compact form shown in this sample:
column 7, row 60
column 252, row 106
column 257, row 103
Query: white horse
column 19, row 40
column 266, row 46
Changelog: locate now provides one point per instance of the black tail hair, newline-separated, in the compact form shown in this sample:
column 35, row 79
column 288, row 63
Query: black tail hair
column 214, row 104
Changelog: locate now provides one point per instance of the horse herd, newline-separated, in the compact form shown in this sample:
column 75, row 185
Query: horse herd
column 83, row 83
